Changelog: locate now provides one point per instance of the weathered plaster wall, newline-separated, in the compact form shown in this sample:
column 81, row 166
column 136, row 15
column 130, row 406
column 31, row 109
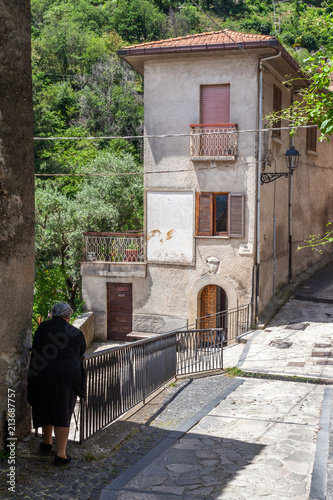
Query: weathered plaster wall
column 85, row 322
column 172, row 290
column 16, row 207
column 312, row 205
column 168, row 295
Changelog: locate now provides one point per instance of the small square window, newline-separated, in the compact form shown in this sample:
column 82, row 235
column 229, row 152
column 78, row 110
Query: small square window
column 220, row 214
column 277, row 106
column 311, row 139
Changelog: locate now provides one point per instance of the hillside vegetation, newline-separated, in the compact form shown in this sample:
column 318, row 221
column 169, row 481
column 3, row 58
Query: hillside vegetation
column 82, row 89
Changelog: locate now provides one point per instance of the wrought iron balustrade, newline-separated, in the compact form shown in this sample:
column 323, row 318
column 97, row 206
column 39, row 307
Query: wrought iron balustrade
column 213, row 140
column 114, row 247
column 121, row 377
column 233, row 322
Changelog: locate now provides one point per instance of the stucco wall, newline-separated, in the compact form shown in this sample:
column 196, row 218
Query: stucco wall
column 172, row 290
column 312, row 206
column 16, row 209
column 85, row 322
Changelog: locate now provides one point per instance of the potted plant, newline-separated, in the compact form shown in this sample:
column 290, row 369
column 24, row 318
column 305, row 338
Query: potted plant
column 131, row 253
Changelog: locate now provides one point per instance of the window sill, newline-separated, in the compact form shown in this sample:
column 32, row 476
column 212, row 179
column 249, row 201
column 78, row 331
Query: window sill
column 309, row 152
column 214, row 237
column 213, row 158
column 278, row 140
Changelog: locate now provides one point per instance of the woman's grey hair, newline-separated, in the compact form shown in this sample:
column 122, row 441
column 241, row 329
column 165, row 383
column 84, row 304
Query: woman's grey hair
column 61, row 310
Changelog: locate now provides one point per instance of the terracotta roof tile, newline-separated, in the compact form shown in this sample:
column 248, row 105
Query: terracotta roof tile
column 214, row 37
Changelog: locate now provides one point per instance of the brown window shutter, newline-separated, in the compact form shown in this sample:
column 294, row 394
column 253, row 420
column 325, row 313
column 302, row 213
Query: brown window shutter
column 277, row 106
column 215, row 104
column 311, row 139
column 236, row 215
column 204, row 214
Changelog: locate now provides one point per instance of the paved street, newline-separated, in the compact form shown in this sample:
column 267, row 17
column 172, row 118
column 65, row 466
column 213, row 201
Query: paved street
column 217, row 437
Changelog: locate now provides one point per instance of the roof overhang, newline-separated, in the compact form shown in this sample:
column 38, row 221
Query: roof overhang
column 285, row 64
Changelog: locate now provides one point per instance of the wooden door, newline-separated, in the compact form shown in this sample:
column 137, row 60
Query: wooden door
column 119, row 310
column 213, row 300
column 208, row 306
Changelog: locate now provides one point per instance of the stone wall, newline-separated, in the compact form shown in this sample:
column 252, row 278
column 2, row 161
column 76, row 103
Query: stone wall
column 85, row 322
column 16, row 208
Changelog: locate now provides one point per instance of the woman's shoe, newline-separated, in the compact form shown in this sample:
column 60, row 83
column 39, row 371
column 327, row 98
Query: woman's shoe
column 62, row 461
column 45, row 448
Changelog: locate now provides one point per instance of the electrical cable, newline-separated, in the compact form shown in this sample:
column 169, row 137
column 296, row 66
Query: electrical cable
column 128, row 137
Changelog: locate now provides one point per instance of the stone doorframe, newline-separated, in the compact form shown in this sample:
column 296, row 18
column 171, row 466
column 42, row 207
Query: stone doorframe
column 194, row 294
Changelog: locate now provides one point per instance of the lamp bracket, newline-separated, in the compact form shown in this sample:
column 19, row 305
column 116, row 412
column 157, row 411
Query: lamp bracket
column 270, row 177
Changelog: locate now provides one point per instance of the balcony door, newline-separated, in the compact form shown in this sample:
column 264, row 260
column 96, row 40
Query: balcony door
column 119, row 310
column 214, row 111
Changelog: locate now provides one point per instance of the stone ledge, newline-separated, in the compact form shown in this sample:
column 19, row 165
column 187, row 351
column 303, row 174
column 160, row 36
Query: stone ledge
column 119, row 269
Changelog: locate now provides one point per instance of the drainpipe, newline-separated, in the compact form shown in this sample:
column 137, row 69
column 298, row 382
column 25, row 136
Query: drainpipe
column 258, row 176
column 290, row 203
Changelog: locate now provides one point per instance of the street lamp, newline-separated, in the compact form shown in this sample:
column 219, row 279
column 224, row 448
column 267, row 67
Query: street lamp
column 292, row 159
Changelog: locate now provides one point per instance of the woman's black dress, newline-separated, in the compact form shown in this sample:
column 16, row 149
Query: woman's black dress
column 55, row 376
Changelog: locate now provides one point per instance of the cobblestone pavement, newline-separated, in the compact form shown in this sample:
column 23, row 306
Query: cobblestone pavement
column 259, row 442
column 116, row 448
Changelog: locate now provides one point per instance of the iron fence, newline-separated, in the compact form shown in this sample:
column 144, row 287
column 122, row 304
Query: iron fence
column 213, row 140
column 233, row 322
column 121, row 377
column 114, row 247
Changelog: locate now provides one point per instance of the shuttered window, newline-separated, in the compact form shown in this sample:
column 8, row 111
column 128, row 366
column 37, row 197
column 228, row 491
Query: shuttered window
column 215, row 104
column 311, row 139
column 236, row 215
column 204, row 211
column 219, row 214
column 277, row 106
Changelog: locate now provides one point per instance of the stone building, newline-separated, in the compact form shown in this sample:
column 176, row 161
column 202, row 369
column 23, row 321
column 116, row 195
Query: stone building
column 16, row 210
column 216, row 235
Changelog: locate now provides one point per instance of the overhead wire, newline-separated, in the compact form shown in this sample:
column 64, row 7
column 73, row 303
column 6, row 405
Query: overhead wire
column 157, row 136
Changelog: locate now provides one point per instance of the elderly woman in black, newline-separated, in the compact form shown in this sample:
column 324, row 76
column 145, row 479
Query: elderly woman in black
column 56, row 378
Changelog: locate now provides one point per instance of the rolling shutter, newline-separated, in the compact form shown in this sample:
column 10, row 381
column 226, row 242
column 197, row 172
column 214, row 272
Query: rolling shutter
column 215, row 104
column 236, row 215
column 204, row 214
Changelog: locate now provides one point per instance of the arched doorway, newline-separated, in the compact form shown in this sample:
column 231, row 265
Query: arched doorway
column 213, row 300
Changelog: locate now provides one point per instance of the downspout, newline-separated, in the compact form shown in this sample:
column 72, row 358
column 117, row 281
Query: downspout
column 257, row 264
column 290, row 204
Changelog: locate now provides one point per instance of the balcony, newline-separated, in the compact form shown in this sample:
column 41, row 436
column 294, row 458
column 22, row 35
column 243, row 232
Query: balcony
column 114, row 254
column 114, row 247
column 213, row 141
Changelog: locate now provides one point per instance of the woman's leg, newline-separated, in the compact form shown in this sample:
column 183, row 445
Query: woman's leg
column 61, row 434
column 47, row 434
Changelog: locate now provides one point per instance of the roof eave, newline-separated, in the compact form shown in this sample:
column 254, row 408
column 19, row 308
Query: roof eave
column 130, row 53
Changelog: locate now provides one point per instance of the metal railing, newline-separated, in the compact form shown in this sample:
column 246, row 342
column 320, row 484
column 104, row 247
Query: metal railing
column 234, row 322
column 213, row 140
column 114, row 247
column 121, row 377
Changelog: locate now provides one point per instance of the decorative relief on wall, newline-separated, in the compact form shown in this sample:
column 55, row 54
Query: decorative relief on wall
column 212, row 265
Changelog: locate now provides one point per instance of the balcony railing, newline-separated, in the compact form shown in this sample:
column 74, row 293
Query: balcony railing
column 213, row 140
column 114, row 247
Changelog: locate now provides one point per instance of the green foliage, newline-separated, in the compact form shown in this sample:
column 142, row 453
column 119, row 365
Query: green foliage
column 316, row 242
column 101, row 203
column 315, row 103
column 234, row 372
column 136, row 20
